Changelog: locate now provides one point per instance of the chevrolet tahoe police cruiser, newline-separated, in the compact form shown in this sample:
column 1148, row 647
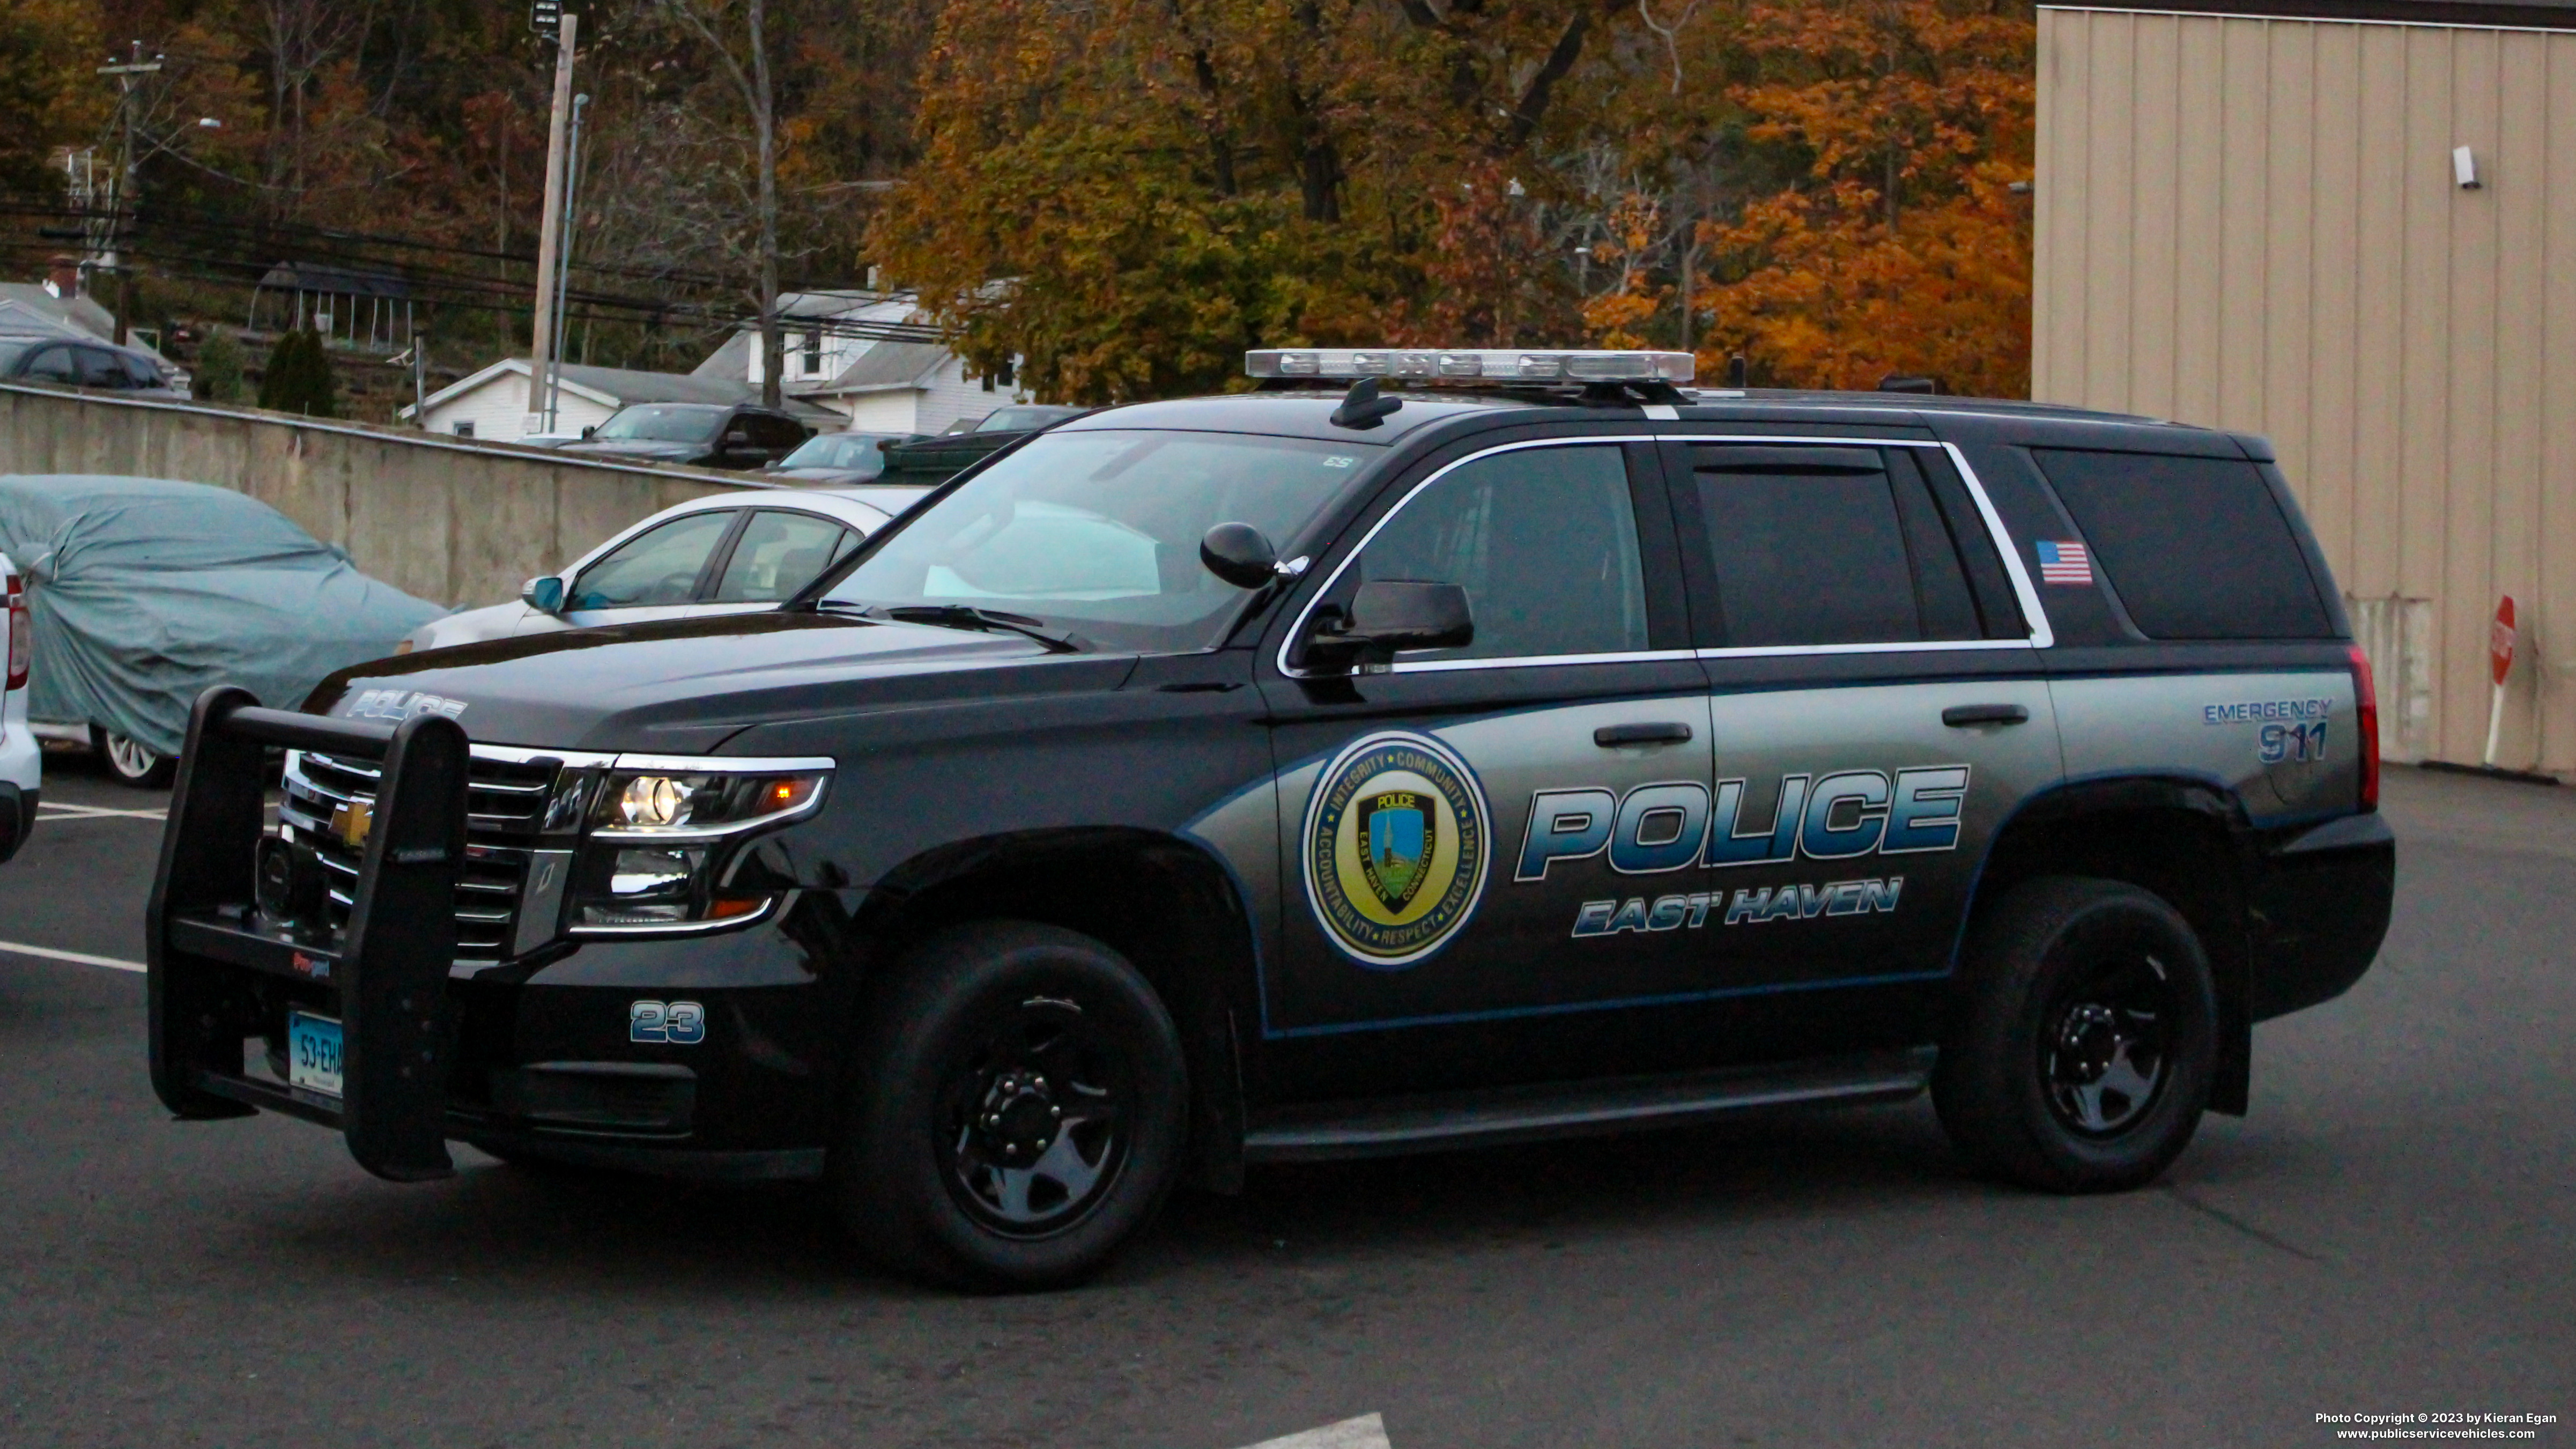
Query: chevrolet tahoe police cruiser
column 1536, row 747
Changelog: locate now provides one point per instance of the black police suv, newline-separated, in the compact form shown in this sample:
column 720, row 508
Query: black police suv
column 1537, row 748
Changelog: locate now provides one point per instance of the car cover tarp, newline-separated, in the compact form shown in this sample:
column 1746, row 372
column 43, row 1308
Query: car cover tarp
column 145, row 591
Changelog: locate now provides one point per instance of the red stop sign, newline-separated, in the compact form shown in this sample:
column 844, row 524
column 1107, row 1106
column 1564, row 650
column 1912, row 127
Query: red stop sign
column 2500, row 641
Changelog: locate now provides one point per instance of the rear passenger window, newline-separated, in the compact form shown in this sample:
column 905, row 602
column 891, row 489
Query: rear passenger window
column 1826, row 545
column 53, row 364
column 2195, row 547
column 778, row 554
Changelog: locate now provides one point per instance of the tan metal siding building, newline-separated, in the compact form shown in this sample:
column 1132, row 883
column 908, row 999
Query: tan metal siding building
column 2254, row 222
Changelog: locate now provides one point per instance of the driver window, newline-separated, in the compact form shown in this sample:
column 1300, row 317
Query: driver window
column 658, row 566
column 1544, row 540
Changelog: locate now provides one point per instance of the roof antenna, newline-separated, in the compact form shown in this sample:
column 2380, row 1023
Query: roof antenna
column 1735, row 370
column 1362, row 407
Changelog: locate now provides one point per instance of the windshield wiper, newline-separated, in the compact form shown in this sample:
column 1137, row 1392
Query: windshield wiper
column 965, row 616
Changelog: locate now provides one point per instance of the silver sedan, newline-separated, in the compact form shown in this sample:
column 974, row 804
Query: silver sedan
column 726, row 554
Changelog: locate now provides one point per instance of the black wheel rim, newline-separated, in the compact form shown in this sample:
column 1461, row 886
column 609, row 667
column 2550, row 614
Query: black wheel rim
column 2105, row 1045
column 1034, row 1119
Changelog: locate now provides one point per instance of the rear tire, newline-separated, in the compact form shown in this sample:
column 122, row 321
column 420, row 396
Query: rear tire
column 2084, row 1047
column 1016, row 1111
column 130, row 762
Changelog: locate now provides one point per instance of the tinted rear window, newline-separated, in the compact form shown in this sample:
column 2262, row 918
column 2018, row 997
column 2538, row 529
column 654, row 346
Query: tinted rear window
column 1825, row 545
column 2196, row 547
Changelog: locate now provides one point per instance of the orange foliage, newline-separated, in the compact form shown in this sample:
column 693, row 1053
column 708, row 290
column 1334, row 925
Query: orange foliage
column 1901, row 250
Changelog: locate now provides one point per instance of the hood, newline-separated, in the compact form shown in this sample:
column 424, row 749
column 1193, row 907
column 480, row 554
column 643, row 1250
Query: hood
column 637, row 448
column 821, row 475
column 685, row 685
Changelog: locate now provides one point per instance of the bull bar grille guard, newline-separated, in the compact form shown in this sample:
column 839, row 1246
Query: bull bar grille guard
column 207, row 946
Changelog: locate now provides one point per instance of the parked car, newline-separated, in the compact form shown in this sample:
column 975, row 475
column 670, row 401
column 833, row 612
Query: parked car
column 22, row 765
column 142, row 592
column 729, row 554
column 837, row 458
column 933, row 461
column 86, row 364
column 704, row 435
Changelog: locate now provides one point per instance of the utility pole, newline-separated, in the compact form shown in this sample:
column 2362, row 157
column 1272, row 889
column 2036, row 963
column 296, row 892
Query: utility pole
column 563, row 261
column 121, row 193
column 550, row 226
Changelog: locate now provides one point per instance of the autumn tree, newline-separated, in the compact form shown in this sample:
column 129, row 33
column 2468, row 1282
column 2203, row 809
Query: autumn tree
column 1130, row 193
column 1901, row 247
column 48, row 50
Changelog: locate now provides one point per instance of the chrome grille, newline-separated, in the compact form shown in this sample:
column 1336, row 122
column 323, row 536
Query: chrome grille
column 505, row 807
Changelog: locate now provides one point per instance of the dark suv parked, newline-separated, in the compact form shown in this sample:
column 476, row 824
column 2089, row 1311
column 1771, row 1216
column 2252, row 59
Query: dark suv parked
column 706, row 435
column 82, row 364
column 929, row 461
column 1320, row 773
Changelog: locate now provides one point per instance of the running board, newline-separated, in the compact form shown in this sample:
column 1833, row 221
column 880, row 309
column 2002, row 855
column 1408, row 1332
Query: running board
column 1452, row 1120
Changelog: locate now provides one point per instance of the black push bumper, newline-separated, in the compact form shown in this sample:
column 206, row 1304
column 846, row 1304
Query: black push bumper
column 218, row 966
column 2319, row 910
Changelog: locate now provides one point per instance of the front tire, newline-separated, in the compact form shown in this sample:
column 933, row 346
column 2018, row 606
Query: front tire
column 2085, row 1044
column 131, row 762
column 1016, row 1111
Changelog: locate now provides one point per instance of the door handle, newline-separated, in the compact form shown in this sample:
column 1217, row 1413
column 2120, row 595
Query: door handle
column 1661, row 732
column 1960, row 716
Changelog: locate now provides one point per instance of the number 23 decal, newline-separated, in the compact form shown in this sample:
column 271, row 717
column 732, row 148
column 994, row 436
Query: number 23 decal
column 681, row 1023
column 2293, row 743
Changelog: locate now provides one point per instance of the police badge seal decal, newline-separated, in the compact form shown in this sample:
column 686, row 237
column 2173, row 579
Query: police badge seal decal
column 1396, row 845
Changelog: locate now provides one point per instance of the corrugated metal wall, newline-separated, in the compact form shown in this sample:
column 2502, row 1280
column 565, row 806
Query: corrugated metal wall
column 2253, row 223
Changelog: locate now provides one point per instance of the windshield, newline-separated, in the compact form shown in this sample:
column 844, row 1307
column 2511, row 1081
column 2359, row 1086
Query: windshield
column 838, row 450
column 1014, row 419
column 1098, row 532
column 663, row 423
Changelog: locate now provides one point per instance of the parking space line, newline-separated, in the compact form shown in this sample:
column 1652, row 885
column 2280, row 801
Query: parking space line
column 1365, row 1432
column 78, row 958
column 84, row 812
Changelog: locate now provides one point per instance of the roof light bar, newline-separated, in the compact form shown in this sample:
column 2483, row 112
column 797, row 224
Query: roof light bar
column 1461, row 364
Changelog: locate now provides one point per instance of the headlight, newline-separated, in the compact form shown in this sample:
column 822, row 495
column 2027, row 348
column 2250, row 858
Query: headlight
column 660, row 852
column 641, row 803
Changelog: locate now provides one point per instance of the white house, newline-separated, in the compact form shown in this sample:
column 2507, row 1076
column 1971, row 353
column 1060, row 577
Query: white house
column 493, row 403
column 898, row 381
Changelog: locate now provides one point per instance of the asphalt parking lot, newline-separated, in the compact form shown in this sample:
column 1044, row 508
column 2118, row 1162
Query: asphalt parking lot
column 2390, row 1231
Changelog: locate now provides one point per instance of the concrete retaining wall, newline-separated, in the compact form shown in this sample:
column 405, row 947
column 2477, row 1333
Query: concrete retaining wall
column 450, row 521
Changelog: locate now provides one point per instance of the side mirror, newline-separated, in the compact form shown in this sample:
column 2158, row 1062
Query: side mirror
column 544, row 594
column 589, row 432
column 1238, row 554
column 1393, row 615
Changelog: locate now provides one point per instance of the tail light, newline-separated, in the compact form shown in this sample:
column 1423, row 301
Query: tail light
column 2365, row 698
column 22, row 639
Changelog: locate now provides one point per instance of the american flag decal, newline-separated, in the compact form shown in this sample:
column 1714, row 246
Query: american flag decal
column 2064, row 563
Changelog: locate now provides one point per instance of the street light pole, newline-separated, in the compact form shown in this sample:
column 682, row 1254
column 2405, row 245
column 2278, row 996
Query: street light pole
column 550, row 226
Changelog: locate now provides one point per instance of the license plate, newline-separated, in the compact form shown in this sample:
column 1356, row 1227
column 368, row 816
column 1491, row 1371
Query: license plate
column 313, row 1053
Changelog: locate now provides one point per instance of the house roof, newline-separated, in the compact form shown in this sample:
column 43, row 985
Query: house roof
column 615, row 387
column 340, row 281
column 886, row 367
column 2510, row 14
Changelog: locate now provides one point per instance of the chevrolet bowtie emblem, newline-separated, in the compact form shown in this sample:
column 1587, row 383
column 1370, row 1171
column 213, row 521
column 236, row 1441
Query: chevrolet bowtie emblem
column 350, row 820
